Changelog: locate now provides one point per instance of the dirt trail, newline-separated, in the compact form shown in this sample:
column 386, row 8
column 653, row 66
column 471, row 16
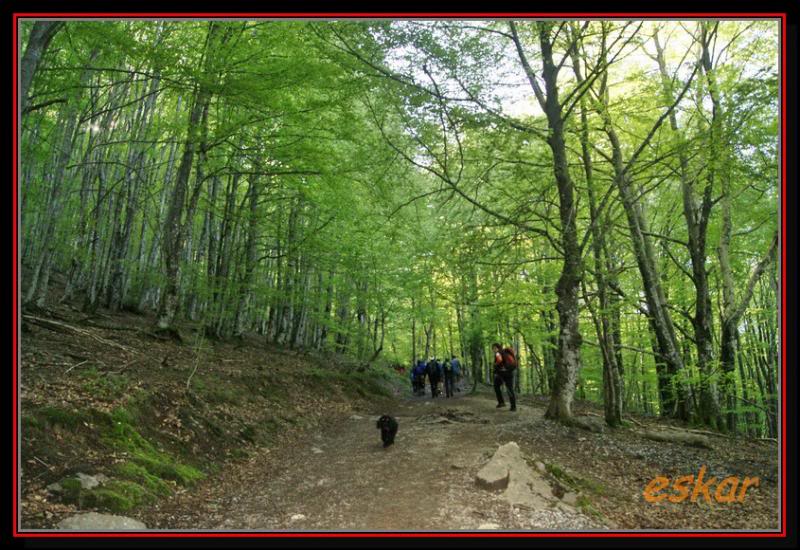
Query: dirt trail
column 344, row 480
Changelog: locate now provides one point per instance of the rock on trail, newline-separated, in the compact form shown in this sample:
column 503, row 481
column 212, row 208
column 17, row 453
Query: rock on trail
column 92, row 521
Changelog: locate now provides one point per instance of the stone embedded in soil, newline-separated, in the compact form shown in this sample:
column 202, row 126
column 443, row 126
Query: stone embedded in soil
column 494, row 475
column 570, row 498
column 488, row 526
column 92, row 521
column 316, row 450
column 508, row 470
column 90, row 482
column 297, row 517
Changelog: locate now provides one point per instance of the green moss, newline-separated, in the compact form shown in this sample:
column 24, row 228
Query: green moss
column 160, row 466
column 135, row 472
column 557, row 472
column 122, row 436
column 108, row 386
column 123, row 416
column 585, row 505
column 118, row 496
column 56, row 416
column 30, row 423
column 593, row 486
column 89, row 373
column 72, row 489
column 577, row 483
column 130, row 490
column 109, row 500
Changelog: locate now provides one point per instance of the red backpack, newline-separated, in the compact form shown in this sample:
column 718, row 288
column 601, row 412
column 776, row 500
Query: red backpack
column 509, row 359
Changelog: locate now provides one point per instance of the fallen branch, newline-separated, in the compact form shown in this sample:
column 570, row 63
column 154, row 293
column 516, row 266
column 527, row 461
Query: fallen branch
column 635, row 421
column 76, row 365
column 110, row 327
column 676, row 436
column 39, row 460
column 706, row 432
column 62, row 327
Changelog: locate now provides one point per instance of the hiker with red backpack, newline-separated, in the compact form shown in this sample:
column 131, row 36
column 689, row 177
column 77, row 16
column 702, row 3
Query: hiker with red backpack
column 505, row 362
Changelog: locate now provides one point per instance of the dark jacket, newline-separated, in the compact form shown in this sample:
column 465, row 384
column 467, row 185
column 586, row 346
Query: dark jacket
column 434, row 370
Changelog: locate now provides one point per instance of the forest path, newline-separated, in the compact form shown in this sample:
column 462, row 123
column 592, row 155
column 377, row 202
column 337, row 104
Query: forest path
column 343, row 479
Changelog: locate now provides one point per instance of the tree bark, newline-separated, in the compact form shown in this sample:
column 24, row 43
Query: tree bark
column 38, row 42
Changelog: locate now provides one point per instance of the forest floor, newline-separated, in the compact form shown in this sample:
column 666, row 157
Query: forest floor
column 284, row 440
column 342, row 478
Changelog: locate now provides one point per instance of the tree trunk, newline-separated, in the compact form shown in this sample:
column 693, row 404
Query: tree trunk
column 568, row 360
column 38, row 41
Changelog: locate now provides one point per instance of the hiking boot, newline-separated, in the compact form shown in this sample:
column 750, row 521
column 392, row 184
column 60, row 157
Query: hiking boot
column 513, row 408
column 500, row 405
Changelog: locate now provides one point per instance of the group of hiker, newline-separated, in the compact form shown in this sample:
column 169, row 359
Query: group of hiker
column 449, row 371
column 446, row 370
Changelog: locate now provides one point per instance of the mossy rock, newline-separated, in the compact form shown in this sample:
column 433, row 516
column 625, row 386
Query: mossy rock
column 117, row 496
column 72, row 489
column 180, row 473
column 108, row 500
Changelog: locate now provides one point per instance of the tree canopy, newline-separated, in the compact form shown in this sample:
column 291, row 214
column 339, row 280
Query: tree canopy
column 602, row 195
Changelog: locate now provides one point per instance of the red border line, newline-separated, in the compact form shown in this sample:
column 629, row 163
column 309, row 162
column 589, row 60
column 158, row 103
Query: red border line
column 784, row 418
column 432, row 15
column 362, row 15
column 599, row 534
column 15, row 283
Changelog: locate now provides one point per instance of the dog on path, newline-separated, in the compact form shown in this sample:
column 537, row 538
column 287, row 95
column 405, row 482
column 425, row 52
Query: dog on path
column 388, row 427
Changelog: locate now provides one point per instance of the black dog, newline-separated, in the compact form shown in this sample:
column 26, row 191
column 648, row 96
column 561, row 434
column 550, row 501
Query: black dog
column 388, row 427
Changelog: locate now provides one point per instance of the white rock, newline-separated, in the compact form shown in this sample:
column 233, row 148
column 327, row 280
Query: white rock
column 316, row 450
column 523, row 486
column 570, row 498
column 488, row 526
column 297, row 517
column 493, row 476
column 93, row 521
column 87, row 481
column 356, row 417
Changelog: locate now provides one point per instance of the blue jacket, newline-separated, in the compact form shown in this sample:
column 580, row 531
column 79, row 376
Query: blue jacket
column 456, row 366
